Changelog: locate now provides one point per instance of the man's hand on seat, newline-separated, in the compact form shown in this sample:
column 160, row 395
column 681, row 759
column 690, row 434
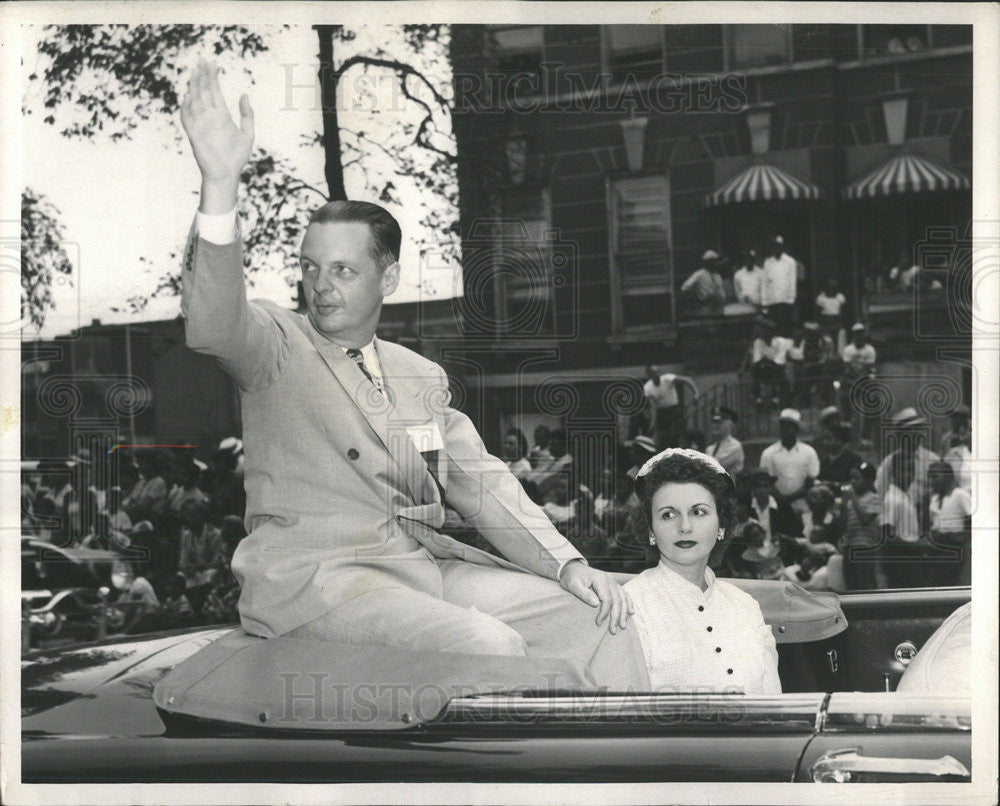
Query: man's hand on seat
column 220, row 148
column 598, row 589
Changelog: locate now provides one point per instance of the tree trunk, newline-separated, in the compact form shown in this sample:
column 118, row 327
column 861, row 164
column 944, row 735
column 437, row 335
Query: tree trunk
column 328, row 80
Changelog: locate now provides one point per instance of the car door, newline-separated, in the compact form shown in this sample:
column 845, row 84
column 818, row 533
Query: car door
column 886, row 629
column 890, row 738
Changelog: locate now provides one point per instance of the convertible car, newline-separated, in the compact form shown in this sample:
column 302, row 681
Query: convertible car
column 205, row 705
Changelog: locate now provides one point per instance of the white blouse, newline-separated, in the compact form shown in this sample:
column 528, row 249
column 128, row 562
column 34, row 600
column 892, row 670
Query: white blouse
column 715, row 640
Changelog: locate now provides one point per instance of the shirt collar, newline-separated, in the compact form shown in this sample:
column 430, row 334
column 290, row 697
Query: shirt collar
column 678, row 583
column 771, row 504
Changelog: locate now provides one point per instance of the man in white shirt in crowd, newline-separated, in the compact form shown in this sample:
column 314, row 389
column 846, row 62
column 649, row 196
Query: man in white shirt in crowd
column 899, row 516
column 705, row 286
column 726, row 449
column 951, row 521
column 859, row 356
column 911, row 430
column 793, row 464
column 778, row 286
column 748, row 278
column 665, row 411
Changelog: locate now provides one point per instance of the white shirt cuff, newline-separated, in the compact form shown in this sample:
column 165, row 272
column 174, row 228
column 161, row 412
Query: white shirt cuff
column 217, row 229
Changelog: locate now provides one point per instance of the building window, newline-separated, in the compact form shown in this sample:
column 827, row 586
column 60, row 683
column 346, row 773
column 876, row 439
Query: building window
column 891, row 40
column 640, row 253
column 523, row 273
column 758, row 45
column 519, row 50
column 633, row 50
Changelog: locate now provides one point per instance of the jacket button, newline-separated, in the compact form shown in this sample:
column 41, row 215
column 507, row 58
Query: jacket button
column 353, row 453
column 718, row 649
column 709, row 629
column 729, row 671
column 701, row 608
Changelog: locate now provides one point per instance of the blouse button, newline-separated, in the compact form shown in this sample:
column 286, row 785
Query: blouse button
column 718, row 649
column 709, row 629
column 701, row 608
column 729, row 671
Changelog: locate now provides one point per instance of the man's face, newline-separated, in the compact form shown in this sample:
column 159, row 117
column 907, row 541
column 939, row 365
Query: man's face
column 343, row 285
column 777, row 249
column 510, row 447
column 788, row 431
column 721, row 428
column 826, row 442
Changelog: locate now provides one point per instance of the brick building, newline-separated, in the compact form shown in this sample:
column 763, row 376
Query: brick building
column 597, row 163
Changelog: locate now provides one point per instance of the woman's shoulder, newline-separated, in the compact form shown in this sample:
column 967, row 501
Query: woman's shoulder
column 737, row 595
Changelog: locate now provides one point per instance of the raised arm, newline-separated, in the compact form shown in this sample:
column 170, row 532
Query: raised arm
column 218, row 319
column 688, row 381
column 220, row 148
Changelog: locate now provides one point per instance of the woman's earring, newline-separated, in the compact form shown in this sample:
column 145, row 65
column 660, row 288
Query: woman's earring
column 652, row 540
column 722, row 534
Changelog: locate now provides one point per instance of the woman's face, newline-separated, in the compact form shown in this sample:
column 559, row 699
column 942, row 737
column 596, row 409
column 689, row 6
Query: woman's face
column 510, row 447
column 858, row 481
column 685, row 524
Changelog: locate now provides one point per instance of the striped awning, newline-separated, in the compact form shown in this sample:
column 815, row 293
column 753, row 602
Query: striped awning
column 761, row 182
column 906, row 173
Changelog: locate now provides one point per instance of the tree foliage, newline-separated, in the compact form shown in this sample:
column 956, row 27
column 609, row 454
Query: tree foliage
column 420, row 145
column 108, row 79
column 43, row 255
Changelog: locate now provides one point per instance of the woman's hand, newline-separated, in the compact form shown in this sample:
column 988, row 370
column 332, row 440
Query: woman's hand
column 598, row 589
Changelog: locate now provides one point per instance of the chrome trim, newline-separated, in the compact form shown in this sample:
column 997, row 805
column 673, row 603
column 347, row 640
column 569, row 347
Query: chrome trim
column 895, row 712
column 788, row 712
column 916, row 596
column 843, row 765
column 905, row 652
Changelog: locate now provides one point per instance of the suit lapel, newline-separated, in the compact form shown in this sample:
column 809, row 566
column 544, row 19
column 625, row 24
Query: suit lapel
column 379, row 410
column 412, row 404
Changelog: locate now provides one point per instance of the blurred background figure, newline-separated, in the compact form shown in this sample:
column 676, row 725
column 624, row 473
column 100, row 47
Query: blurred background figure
column 515, row 453
column 666, row 413
column 725, row 447
column 779, row 286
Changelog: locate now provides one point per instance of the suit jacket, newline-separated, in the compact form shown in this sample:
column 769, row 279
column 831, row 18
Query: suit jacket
column 339, row 499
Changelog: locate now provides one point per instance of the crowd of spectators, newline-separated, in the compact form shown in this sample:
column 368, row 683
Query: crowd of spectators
column 176, row 520
column 826, row 514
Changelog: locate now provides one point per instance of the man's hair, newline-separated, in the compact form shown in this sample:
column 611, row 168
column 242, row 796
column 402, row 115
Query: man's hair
column 522, row 441
column 942, row 469
column 385, row 231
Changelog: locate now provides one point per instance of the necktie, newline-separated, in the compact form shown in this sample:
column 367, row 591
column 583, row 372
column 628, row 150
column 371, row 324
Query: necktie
column 359, row 359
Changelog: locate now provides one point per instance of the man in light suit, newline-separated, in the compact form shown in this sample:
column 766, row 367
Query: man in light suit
column 351, row 451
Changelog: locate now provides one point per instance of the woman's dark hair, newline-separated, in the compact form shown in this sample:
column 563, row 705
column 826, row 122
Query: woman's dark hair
column 942, row 469
column 684, row 469
column 522, row 442
column 868, row 472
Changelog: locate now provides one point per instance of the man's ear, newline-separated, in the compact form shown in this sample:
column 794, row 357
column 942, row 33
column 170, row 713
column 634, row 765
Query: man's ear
column 390, row 279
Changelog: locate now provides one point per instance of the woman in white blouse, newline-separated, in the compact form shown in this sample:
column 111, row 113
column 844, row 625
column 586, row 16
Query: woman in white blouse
column 697, row 632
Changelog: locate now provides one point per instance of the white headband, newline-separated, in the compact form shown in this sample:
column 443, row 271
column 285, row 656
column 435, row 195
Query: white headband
column 687, row 453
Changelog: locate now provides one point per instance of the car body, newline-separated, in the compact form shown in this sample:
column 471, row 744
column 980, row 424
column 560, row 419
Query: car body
column 65, row 590
column 88, row 715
